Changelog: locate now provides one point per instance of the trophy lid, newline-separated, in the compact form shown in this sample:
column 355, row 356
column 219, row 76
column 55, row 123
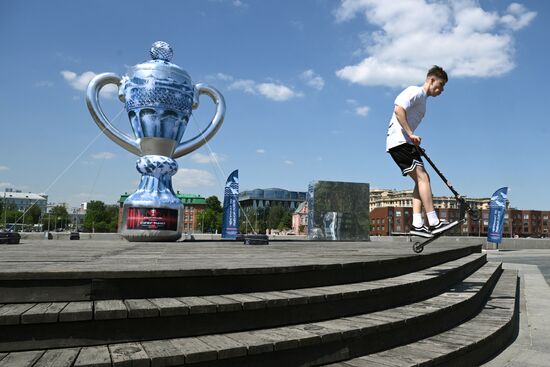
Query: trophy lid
column 160, row 66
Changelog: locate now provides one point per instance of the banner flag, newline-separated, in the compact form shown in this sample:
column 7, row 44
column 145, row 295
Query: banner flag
column 496, row 215
column 230, row 223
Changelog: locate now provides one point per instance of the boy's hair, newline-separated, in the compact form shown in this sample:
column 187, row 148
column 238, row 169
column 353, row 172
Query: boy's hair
column 438, row 72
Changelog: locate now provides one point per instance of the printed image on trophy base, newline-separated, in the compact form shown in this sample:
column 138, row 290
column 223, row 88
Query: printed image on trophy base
column 150, row 224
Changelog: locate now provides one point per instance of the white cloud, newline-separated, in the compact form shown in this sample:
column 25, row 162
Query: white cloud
column 289, row 162
column 413, row 35
column 187, row 177
column 274, row 91
column 103, row 155
column 260, row 151
column 312, row 79
column 208, row 158
column 277, row 92
column 4, row 168
column 80, row 82
column 246, row 85
column 362, row 111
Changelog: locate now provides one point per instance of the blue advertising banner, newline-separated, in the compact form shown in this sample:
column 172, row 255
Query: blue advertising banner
column 496, row 215
column 230, row 223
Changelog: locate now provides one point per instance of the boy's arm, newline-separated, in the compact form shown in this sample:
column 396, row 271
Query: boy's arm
column 401, row 115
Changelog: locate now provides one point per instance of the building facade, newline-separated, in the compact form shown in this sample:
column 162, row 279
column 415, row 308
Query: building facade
column 192, row 206
column 299, row 219
column 380, row 198
column 23, row 200
column 386, row 221
column 261, row 198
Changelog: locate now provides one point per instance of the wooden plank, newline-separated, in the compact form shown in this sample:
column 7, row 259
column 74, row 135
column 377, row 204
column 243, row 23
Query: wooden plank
column 170, row 306
column 110, row 309
column 195, row 350
column 163, row 353
column 256, row 344
column 21, row 359
column 138, row 308
column 58, row 358
column 312, row 297
column 10, row 314
column 94, row 356
column 224, row 304
column 347, row 328
column 271, row 299
column 248, row 302
column 225, row 346
column 77, row 311
column 376, row 360
column 198, row 305
column 292, row 298
column 128, row 355
column 43, row 313
column 326, row 335
column 304, row 337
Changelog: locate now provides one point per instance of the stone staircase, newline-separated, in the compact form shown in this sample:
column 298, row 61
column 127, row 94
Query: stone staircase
column 449, row 307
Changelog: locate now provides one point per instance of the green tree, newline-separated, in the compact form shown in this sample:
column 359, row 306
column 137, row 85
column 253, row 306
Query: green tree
column 100, row 217
column 210, row 220
column 279, row 217
column 33, row 214
column 212, row 202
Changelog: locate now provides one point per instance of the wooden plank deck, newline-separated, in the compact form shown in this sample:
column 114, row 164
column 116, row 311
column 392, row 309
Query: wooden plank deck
column 43, row 259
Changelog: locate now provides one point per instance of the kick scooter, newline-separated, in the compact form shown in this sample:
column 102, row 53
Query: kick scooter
column 463, row 206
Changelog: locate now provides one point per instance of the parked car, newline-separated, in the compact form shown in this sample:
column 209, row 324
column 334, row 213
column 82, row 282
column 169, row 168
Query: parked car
column 11, row 238
column 74, row 236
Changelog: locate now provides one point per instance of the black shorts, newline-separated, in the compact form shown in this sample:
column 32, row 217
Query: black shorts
column 407, row 157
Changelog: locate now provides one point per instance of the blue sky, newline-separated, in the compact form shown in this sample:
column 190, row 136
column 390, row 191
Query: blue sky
column 309, row 87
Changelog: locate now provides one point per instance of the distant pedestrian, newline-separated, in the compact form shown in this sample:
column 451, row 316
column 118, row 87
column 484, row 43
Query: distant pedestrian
column 402, row 143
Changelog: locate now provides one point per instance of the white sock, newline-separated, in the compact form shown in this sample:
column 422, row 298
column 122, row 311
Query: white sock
column 432, row 218
column 418, row 221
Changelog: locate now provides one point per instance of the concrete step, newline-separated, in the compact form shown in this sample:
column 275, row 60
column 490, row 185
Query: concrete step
column 66, row 324
column 469, row 344
column 108, row 277
column 303, row 344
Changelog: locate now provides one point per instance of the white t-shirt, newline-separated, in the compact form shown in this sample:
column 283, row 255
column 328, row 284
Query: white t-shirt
column 413, row 100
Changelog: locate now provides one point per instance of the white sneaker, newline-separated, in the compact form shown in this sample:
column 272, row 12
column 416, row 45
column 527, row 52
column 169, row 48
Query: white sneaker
column 441, row 226
column 421, row 231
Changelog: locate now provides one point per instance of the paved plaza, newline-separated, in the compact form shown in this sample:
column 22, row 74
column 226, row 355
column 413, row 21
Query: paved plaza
column 532, row 345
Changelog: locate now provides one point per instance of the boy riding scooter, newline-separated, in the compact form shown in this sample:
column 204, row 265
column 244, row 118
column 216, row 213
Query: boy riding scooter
column 402, row 144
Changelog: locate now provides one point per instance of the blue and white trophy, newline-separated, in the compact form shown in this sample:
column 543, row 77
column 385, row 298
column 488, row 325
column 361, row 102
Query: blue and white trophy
column 159, row 98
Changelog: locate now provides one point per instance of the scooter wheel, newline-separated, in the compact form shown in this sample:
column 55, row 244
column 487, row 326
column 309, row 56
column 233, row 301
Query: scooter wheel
column 417, row 247
column 475, row 215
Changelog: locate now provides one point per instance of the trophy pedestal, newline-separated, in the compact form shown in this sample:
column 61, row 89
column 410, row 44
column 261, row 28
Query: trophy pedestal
column 153, row 212
column 150, row 224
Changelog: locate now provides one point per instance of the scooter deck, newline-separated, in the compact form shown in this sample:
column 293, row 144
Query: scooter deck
column 418, row 247
column 408, row 234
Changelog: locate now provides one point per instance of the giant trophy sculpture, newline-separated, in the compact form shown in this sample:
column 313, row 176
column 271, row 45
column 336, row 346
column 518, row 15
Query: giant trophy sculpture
column 159, row 98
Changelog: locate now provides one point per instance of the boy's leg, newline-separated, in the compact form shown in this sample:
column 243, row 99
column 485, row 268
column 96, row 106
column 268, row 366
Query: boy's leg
column 422, row 194
column 423, row 189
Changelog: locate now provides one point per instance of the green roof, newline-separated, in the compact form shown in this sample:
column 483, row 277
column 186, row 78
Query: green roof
column 185, row 198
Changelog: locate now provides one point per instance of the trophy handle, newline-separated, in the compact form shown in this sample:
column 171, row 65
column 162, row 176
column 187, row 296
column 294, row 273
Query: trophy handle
column 196, row 142
column 92, row 100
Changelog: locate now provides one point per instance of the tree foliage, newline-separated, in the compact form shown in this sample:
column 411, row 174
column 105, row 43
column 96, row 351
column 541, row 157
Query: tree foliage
column 260, row 219
column 210, row 220
column 100, row 217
